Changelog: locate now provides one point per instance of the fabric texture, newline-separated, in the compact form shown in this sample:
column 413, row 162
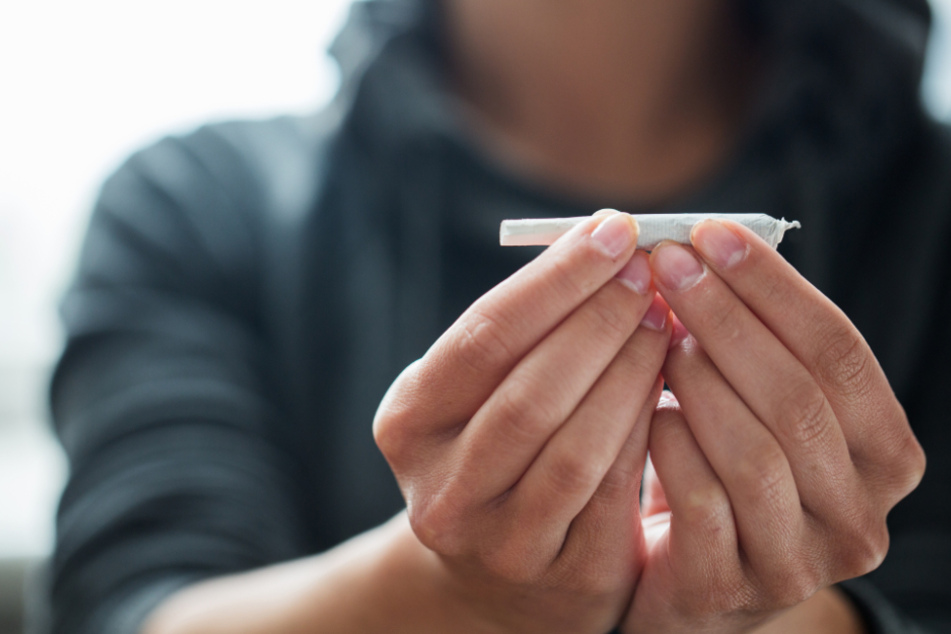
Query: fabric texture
column 247, row 292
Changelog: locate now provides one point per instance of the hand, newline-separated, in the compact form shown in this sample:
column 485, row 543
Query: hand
column 782, row 453
column 519, row 439
column 829, row 611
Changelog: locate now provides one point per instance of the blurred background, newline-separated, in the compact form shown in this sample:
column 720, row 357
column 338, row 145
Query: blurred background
column 82, row 84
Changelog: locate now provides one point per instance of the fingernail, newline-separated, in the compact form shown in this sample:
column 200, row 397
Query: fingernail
column 636, row 274
column 656, row 316
column 719, row 244
column 667, row 399
column 678, row 333
column 616, row 234
column 676, row 268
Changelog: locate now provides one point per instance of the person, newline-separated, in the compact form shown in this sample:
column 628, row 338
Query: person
column 252, row 296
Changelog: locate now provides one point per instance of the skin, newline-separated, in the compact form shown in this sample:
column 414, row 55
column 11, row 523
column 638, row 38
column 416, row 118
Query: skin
column 782, row 452
column 517, row 438
column 520, row 439
column 636, row 100
column 826, row 611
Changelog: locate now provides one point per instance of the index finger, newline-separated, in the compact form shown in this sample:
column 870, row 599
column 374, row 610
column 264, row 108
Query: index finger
column 810, row 325
column 471, row 358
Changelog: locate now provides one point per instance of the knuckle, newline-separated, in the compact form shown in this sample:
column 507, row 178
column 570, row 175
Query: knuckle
column 482, row 344
column 724, row 321
column 610, row 318
column 621, row 481
column 909, row 464
column 915, row 465
column 438, row 523
column 763, row 474
column 572, row 473
column 866, row 550
column 570, row 281
column 799, row 587
column 858, row 545
column 406, row 424
column 393, row 421
column 641, row 360
column 845, row 363
column 525, row 413
column 386, row 435
column 781, row 591
column 899, row 464
column 741, row 595
column 804, row 415
column 707, row 507
column 775, row 290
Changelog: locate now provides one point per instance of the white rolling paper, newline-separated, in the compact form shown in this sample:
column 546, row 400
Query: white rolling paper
column 654, row 228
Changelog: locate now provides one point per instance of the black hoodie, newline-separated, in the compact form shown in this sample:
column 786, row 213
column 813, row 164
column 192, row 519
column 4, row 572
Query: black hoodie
column 247, row 293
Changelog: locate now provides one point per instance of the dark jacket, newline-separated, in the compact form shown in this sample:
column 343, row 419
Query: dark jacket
column 247, row 293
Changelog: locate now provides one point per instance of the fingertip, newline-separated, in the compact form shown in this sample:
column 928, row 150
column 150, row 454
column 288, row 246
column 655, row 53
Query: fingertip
column 658, row 315
column 636, row 274
column 719, row 243
column 668, row 400
column 676, row 268
column 679, row 332
column 616, row 234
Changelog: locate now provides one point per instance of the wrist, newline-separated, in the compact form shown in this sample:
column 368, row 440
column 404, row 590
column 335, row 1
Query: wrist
column 381, row 581
column 457, row 599
column 829, row 611
column 387, row 581
column 411, row 590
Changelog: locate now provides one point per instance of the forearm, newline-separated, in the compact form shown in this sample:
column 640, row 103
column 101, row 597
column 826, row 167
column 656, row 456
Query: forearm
column 381, row 581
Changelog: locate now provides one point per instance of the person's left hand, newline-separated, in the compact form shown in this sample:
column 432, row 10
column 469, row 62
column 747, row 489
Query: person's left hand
column 784, row 455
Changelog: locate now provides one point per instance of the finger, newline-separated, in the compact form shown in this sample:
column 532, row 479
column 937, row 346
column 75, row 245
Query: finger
column 472, row 357
column 745, row 457
column 772, row 382
column 574, row 463
column 814, row 329
column 703, row 541
column 545, row 388
column 608, row 528
column 678, row 332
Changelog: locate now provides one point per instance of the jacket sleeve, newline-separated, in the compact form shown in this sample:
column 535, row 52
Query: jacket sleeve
column 163, row 399
column 911, row 591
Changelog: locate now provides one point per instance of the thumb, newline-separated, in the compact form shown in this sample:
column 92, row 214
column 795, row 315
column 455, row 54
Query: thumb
column 653, row 498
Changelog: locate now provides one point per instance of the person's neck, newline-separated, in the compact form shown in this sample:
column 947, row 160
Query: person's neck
column 626, row 99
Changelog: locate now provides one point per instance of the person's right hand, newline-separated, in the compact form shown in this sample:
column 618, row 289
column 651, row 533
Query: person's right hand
column 520, row 438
